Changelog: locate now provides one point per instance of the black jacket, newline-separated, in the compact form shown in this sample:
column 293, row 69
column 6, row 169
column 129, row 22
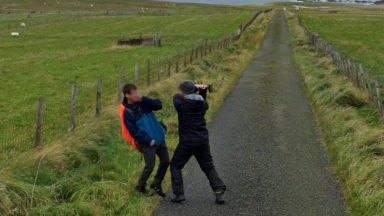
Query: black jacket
column 191, row 114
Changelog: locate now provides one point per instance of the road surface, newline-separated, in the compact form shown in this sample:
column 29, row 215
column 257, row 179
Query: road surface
column 266, row 145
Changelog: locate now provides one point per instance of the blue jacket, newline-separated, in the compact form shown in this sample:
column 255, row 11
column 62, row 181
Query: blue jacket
column 142, row 123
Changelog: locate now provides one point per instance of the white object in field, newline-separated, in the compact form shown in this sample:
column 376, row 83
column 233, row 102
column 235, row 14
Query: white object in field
column 91, row 5
column 15, row 34
column 285, row 9
column 23, row 25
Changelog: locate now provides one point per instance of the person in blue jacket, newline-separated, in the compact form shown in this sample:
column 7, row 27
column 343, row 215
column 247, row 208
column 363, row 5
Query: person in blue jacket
column 148, row 134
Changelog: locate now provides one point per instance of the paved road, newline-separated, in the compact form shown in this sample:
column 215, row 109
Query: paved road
column 266, row 145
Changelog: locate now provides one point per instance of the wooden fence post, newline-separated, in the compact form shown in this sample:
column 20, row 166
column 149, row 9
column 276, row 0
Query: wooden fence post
column 191, row 58
column 39, row 125
column 185, row 57
column 158, row 69
column 169, row 66
column 362, row 81
column 136, row 74
column 201, row 50
column 178, row 61
column 240, row 30
column 378, row 94
column 98, row 97
column 206, row 48
column 148, row 72
column 121, row 85
column 210, row 47
column 370, row 91
column 157, row 39
column 73, row 108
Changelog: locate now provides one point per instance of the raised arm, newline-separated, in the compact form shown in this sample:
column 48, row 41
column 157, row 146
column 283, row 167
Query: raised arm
column 178, row 101
column 152, row 104
column 203, row 93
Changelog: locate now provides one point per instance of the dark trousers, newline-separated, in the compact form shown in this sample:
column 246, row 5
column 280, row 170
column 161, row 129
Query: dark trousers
column 149, row 154
column 203, row 156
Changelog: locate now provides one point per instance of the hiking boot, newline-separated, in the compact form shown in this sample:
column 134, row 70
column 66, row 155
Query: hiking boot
column 157, row 189
column 178, row 198
column 141, row 189
column 219, row 197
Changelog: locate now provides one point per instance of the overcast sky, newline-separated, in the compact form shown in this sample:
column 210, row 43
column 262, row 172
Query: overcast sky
column 229, row 2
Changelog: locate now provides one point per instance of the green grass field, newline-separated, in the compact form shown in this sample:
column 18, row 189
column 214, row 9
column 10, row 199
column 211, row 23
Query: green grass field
column 360, row 35
column 93, row 171
column 101, row 6
column 55, row 51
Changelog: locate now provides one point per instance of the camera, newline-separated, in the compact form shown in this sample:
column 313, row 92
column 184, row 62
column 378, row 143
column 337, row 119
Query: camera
column 202, row 86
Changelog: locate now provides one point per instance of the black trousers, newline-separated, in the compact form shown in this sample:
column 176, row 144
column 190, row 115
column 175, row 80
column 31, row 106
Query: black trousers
column 149, row 154
column 202, row 153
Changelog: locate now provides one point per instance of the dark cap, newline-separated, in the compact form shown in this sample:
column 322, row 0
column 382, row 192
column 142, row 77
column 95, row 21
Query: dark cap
column 188, row 87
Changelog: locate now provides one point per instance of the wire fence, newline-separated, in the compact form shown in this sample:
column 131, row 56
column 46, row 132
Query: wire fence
column 86, row 100
column 353, row 70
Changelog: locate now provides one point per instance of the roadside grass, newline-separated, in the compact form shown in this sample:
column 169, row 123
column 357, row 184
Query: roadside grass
column 359, row 35
column 56, row 51
column 352, row 131
column 93, row 172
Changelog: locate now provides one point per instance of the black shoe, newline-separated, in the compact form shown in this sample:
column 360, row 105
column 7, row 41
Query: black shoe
column 157, row 190
column 178, row 198
column 219, row 197
column 141, row 189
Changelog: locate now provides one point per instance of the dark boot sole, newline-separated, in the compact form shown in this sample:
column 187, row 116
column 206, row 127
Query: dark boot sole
column 222, row 202
column 178, row 201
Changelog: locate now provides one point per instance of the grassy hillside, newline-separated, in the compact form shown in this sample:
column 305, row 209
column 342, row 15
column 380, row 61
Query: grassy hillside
column 93, row 6
column 55, row 51
column 93, row 172
column 75, row 4
column 360, row 35
column 353, row 134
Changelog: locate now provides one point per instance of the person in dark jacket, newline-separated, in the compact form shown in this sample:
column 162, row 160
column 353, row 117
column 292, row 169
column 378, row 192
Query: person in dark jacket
column 191, row 106
column 148, row 135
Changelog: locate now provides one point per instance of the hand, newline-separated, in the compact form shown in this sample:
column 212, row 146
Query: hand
column 153, row 142
column 201, row 86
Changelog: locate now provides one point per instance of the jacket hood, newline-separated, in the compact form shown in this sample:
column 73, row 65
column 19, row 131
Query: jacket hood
column 195, row 102
column 195, row 97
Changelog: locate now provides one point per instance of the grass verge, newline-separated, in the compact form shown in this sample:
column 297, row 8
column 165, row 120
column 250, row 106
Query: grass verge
column 93, row 172
column 352, row 131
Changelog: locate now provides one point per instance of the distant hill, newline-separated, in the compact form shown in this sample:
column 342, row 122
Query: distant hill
column 228, row 2
column 380, row 2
